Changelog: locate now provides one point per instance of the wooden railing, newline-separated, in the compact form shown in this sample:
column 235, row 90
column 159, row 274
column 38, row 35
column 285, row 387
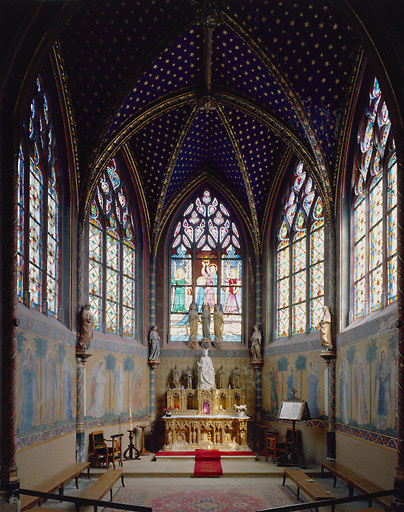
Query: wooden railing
column 326, row 503
column 83, row 502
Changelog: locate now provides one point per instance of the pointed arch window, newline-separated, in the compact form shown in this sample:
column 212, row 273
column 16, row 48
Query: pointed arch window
column 112, row 256
column 206, row 267
column 374, row 211
column 38, row 210
column 300, row 258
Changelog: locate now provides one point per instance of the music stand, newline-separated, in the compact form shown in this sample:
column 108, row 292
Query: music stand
column 293, row 409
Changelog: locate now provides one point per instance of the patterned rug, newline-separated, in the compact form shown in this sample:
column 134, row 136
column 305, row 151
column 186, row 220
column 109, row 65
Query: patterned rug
column 207, row 498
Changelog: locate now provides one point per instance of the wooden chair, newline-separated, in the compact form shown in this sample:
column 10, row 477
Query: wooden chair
column 270, row 445
column 276, row 445
column 102, row 453
column 117, row 449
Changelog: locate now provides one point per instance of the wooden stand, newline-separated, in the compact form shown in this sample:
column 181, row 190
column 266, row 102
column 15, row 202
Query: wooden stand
column 131, row 448
column 143, row 451
column 293, row 410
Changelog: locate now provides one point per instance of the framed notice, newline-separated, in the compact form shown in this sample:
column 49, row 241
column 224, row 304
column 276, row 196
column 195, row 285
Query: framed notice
column 291, row 410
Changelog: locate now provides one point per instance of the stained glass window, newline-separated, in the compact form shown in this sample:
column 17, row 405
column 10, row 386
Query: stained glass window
column 112, row 256
column 206, row 268
column 300, row 258
column 38, row 210
column 374, row 219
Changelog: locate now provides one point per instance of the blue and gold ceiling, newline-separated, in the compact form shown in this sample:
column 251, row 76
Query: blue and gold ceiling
column 227, row 91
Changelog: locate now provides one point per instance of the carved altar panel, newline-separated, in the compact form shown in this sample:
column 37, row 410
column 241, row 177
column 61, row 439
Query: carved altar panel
column 186, row 433
column 205, row 418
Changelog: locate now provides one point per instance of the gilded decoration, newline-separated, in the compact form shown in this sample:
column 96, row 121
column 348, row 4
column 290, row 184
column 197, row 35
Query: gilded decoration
column 205, row 418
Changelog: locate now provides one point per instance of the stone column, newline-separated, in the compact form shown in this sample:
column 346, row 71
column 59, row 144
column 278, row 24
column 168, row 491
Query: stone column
column 152, row 364
column 153, row 292
column 81, row 355
column 9, row 483
column 398, row 498
column 258, row 292
column 331, row 411
column 332, row 360
column 258, row 364
column 152, row 393
column 80, row 434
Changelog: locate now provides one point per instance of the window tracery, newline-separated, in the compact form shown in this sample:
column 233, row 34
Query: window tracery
column 112, row 256
column 206, row 267
column 300, row 258
column 374, row 219
column 38, row 210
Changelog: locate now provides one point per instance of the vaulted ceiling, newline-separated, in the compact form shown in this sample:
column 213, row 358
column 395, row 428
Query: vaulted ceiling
column 227, row 91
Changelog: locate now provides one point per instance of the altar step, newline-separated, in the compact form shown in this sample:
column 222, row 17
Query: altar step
column 233, row 467
column 231, row 455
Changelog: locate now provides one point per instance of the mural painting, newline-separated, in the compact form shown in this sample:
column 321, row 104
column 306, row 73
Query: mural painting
column 366, row 385
column 302, row 373
column 115, row 386
column 366, row 381
column 45, row 384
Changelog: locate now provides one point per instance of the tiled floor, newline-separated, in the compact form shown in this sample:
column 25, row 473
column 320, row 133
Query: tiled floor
column 180, row 473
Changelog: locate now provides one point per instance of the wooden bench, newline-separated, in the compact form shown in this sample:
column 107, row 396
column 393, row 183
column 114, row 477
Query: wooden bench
column 311, row 488
column 101, row 486
column 355, row 481
column 56, row 482
column 369, row 509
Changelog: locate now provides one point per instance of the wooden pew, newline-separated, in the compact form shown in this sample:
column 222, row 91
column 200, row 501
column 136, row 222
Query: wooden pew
column 56, row 482
column 101, row 486
column 311, row 488
column 355, row 481
column 369, row 509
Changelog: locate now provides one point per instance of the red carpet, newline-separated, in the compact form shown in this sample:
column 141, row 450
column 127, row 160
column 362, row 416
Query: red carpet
column 207, row 463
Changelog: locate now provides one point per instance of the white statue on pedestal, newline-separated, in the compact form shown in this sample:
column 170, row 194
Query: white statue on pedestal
column 206, row 372
column 325, row 329
column 256, row 343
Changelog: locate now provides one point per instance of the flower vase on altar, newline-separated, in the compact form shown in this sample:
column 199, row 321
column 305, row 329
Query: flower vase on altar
column 241, row 411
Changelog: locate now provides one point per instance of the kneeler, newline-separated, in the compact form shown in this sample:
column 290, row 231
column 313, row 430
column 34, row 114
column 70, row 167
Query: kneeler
column 207, row 463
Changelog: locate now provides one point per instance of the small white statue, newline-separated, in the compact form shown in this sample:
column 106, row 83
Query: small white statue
column 86, row 327
column 154, row 344
column 218, row 321
column 205, row 316
column 221, row 377
column 193, row 319
column 188, row 377
column 236, row 378
column 325, row 329
column 256, row 343
column 176, row 378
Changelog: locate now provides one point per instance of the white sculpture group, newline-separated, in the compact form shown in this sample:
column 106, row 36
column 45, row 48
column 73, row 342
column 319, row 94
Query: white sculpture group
column 206, row 317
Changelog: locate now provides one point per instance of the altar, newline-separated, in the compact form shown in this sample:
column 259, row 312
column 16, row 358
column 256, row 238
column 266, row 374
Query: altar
column 205, row 418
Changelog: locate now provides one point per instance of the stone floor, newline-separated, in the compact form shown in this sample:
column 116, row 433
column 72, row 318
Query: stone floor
column 180, row 473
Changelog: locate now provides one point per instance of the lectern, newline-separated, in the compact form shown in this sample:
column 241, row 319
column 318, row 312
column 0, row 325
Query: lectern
column 293, row 410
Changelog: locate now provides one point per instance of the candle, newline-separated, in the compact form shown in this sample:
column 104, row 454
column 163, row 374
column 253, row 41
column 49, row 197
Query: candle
column 130, row 419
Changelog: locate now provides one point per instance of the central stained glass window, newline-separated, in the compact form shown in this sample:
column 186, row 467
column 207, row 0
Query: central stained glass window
column 300, row 258
column 206, row 267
